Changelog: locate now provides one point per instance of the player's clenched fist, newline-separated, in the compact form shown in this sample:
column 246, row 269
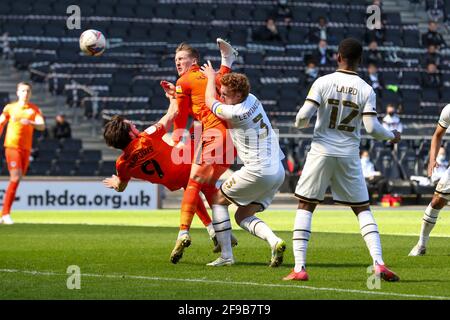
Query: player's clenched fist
column 397, row 137
column 169, row 89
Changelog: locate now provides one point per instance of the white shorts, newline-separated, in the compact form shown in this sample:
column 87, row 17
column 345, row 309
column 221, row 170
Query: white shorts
column 343, row 174
column 244, row 187
column 443, row 186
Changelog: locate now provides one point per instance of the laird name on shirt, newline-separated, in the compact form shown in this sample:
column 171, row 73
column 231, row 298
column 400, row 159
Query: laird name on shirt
column 348, row 90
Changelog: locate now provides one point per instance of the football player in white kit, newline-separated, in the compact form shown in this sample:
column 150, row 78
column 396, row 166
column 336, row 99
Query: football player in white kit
column 252, row 187
column 341, row 99
column 442, row 192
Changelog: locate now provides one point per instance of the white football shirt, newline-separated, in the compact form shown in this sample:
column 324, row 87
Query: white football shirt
column 444, row 119
column 342, row 99
column 252, row 134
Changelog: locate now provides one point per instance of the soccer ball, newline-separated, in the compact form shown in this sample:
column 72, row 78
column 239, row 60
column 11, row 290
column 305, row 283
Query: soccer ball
column 92, row 42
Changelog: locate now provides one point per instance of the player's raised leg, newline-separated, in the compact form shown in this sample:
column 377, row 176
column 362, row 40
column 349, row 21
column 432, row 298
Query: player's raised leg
column 428, row 222
column 227, row 52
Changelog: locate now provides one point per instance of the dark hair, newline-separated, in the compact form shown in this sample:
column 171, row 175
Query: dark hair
column 117, row 132
column 193, row 53
column 236, row 82
column 350, row 50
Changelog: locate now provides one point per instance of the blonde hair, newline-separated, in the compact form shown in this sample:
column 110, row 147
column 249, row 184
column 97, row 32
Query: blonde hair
column 193, row 53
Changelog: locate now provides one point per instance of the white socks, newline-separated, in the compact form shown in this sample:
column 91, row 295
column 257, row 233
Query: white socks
column 258, row 228
column 210, row 229
column 227, row 61
column 369, row 232
column 182, row 232
column 222, row 227
column 429, row 220
column 302, row 233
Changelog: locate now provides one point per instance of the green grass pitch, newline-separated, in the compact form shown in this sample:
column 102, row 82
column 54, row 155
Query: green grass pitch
column 125, row 255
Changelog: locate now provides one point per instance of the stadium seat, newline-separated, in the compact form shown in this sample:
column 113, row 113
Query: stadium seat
column 116, row 31
column 19, row 7
column 63, row 168
column 87, row 168
column 393, row 37
column 103, row 9
column 339, row 15
column 410, row 78
column 445, row 95
column 355, row 33
column 389, row 96
column 185, row 12
column 125, row 10
column 411, row 38
column 336, row 35
column 5, row 8
column 107, row 168
column 48, row 145
column 47, row 155
column 355, row 16
column 68, row 155
column 430, row 95
column 315, row 13
column 301, row 14
column 199, row 35
column 145, row 11
column 260, row 13
column 69, row 144
column 203, row 12
column 243, row 11
column 393, row 18
column 91, row 155
column 39, row 168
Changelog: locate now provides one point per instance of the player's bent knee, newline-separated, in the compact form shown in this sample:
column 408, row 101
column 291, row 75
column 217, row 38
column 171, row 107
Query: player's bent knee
column 15, row 176
column 308, row 206
column 438, row 202
column 358, row 210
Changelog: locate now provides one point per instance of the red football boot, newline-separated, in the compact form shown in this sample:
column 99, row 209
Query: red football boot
column 385, row 274
column 299, row 276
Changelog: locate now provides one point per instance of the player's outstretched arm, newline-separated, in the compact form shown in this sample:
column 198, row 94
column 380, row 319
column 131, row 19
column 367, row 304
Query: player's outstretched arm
column 305, row 114
column 38, row 123
column 376, row 130
column 115, row 183
column 436, row 142
column 210, row 93
column 168, row 119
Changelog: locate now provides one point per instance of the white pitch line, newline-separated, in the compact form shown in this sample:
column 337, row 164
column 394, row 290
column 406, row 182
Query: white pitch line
column 271, row 285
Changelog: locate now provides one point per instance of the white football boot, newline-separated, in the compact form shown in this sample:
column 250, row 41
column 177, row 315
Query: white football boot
column 418, row 250
column 7, row 219
column 220, row 262
column 228, row 53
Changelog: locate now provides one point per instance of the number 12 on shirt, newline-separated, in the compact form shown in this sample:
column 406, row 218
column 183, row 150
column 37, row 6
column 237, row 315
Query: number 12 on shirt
column 344, row 124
